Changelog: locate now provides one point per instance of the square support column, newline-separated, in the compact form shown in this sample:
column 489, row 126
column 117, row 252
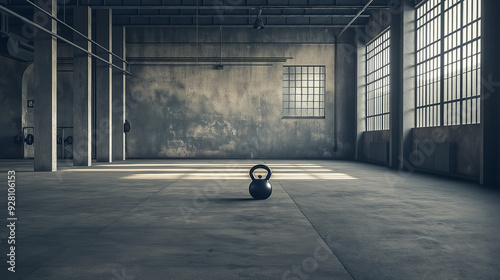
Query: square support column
column 82, row 89
column 490, row 94
column 104, row 136
column 118, row 94
column 402, row 84
column 360, row 97
column 45, row 73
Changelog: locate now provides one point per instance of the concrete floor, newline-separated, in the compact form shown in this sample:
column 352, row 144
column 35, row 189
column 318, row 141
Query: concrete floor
column 194, row 219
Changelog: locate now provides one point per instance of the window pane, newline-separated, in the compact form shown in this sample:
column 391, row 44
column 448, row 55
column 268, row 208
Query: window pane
column 306, row 85
column 449, row 85
column 377, row 82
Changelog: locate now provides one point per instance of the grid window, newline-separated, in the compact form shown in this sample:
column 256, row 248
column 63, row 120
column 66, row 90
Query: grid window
column 448, row 63
column 377, row 83
column 428, row 96
column 304, row 91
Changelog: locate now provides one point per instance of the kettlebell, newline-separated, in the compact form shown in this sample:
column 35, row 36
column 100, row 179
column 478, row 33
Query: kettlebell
column 260, row 188
column 30, row 139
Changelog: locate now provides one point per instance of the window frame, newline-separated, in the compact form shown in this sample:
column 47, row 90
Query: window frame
column 458, row 32
column 377, row 114
column 317, row 98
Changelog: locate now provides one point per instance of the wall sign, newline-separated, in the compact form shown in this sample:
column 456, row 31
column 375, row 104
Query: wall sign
column 31, row 103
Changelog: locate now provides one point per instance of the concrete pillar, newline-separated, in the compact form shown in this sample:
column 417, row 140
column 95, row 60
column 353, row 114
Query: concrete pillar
column 82, row 89
column 402, row 84
column 104, row 88
column 490, row 94
column 344, row 106
column 360, row 98
column 118, row 94
column 45, row 72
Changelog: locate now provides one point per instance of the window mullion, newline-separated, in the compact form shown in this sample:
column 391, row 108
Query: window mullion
column 377, row 63
column 441, row 87
column 462, row 45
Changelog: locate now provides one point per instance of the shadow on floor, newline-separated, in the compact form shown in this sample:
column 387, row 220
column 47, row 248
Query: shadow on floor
column 233, row 199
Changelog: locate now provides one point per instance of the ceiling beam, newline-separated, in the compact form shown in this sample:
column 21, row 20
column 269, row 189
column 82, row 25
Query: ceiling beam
column 215, row 7
column 240, row 16
column 246, row 25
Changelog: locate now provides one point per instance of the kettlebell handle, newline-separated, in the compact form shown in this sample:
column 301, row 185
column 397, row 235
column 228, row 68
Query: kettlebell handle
column 263, row 167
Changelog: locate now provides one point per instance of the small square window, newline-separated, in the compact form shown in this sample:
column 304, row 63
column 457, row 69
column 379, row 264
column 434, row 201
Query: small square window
column 302, row 85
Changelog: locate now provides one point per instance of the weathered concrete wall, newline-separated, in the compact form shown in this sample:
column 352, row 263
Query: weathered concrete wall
column 65, row 111
column 11, row 73
column 28, row 114
column 64, row 100
column 196, row 111
column 467, row 139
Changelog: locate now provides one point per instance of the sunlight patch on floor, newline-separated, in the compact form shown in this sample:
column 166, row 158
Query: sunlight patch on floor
column 238, row 176
column 194, row 165
column 219, row 170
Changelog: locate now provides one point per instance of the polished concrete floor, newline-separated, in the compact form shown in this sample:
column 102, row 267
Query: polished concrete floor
column 194, row 219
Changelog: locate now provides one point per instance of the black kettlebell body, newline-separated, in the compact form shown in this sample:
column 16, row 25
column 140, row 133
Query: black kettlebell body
column 260, row 188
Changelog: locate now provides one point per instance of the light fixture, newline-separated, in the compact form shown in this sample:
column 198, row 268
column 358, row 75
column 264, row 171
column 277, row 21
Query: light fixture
column 258, row 24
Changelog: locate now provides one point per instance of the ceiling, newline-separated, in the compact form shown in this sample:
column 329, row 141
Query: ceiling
column 227, row 13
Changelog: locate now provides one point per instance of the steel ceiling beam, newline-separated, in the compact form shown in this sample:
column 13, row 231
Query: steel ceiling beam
column 139, row 15
column 215, row 7
column 239, row 16
column 244, row 25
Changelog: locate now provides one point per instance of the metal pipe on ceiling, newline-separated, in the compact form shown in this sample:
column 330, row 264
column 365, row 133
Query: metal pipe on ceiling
column 355, row 17
column 201, row 64
column 236, row 16
column 61, row 38
column 76, row 31
column 213, row 7
column 246, row 43
column 241, row 25
column 134, row 60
